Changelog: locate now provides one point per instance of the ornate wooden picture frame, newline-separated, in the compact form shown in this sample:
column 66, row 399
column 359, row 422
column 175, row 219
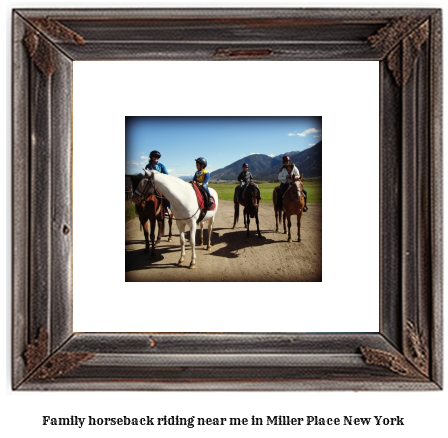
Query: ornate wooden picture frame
column 406, row 353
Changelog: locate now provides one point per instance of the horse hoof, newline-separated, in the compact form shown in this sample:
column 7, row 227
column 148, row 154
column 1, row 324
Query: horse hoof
column 192, row 266
column 180, row 263
column 170, row 239
column 209, row 248
column 289, row 240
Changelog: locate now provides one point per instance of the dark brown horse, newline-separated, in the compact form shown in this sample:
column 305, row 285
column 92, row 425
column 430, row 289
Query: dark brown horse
column 150, row 208
column 250, row 203
column 293, row 204
column 278, row 212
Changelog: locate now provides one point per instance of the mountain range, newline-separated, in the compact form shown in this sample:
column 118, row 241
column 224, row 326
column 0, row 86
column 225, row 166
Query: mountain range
column 266, row 168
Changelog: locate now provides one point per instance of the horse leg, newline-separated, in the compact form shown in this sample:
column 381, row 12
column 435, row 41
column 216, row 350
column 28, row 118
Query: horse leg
column 248, row 222
column 276, row 219
column 299, row 220
column 210, row 229
column 192, row 243
column 170, row 223
column 152, row 235
column 289, row 228
column 284, row 222
column 182, row 243
column 201, row 234
column 161, row 228
column 145, row 232
column 258, row 224
column 244, row 215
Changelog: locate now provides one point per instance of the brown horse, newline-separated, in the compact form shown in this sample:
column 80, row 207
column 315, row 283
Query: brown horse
column 250, row 203
column 293, row 204
column 150, row 209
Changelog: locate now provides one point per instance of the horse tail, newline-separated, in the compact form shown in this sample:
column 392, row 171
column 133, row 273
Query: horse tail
column 237, row 212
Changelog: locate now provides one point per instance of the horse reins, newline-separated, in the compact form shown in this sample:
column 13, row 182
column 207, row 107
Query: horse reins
column 160, row 197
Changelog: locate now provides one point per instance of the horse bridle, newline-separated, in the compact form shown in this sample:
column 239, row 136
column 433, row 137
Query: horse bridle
column 299, row 192
column 253, row 195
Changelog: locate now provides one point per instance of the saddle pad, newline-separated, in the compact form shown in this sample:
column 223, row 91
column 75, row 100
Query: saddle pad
column 201, row 199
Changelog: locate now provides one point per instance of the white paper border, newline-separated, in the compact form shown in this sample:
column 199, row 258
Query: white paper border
column 345, row 94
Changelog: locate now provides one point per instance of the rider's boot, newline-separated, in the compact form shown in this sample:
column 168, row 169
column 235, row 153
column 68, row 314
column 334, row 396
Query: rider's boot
column 201, row 215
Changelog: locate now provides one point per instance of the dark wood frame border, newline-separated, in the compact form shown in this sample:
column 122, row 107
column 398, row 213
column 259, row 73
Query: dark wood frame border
column 406, row 354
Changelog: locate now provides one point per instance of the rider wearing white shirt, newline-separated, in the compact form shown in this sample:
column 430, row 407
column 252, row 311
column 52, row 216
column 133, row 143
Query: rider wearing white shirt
column 286, row 177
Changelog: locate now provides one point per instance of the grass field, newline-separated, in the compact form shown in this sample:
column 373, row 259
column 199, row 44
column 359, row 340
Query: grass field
column 129, row 211
column 225, row 192
column 314, row 189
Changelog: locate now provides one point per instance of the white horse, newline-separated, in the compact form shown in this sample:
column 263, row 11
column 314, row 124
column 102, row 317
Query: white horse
column 184, row 205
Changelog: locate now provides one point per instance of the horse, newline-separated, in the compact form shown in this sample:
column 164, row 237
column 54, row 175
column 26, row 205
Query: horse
column 185, row 207
column 293, row 204
column 151, row 210
column 250, row 203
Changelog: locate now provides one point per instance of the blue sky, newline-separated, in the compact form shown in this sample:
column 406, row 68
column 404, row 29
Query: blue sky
column 221, row 140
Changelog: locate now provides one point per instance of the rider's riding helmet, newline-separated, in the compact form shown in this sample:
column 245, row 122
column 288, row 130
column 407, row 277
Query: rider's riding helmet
column 245, row 165
column 286, row 158
column 155, row 154
column 201, row 160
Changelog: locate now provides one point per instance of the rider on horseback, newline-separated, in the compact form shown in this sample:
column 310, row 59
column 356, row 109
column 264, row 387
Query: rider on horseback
column 154, row 164
column 287, row 176
column 245, row 178
column 201, row 177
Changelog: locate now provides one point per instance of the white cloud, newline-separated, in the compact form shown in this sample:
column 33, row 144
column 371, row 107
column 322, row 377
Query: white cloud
column 292, row 134
column 143, row 157
column 309, row 131
column 135, row 163
column 271, row 155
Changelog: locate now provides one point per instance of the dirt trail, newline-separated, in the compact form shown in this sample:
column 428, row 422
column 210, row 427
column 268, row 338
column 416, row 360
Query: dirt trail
column 234, row 256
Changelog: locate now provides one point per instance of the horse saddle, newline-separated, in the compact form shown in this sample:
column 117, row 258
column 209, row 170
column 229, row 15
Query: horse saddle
column 243, row 189
column 203, row 198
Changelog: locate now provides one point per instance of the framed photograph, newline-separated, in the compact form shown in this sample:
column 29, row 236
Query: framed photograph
column 232, row 148
column 50, row 352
